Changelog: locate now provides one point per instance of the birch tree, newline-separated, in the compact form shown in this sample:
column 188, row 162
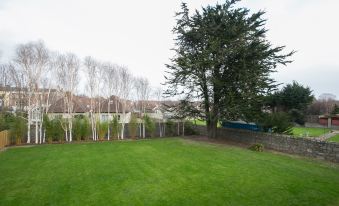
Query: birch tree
column 4, row 75
column 126, row 88
column 67, row 72
column 158, row 97
column 143, row 91
column 32, row 59
column 91, row 71
column 111, row 78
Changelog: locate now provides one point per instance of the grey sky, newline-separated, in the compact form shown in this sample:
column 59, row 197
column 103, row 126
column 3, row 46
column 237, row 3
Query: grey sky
column 138, row 33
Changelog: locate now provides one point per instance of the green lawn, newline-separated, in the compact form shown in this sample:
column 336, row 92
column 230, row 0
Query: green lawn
column 334, row 138
column 202, row 122
column 169, row 171
column 312, row 132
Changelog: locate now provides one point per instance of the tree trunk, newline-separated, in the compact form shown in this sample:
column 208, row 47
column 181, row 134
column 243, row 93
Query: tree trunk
column 122, row 130
column 160, row 130
column 70, row 125
column 212, row 129
column 40, row 132
column 36, row 132
column 178, row 129
column 183, row 128
column 29, row 128
column 108, row 108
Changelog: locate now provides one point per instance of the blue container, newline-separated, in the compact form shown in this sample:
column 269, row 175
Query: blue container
column 238, row 125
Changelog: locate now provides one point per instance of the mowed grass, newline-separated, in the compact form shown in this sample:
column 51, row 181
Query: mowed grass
column 334, row 138
column 311, row 132
column 169, row 171
column 201, row 122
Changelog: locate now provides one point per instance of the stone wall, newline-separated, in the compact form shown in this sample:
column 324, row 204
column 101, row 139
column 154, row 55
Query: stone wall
column 306, row 147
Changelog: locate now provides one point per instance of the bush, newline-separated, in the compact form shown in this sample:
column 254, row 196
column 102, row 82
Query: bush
column 18, row 129
column 102, row 130
column 150, row 125
column 170, row 128
column 279, row 122
column 297, row 116
column 48, row 128
column 189, row 128
column 85, row 129
column 115, row 127
column 257, row 147
column 133, row 126
column 57, row 131
column 77, row 123
column 6, row 120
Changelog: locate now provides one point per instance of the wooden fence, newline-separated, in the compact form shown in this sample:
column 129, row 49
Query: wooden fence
column 4, row 139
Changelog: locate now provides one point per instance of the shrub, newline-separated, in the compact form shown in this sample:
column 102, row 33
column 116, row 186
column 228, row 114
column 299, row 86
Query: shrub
column 169, row 128
column 115, row 127
column 297, row 116
column 279, row 122
column 149, row 125
column 189, row 130
column 133, row 126
column 18, row 128
column 257, row 147
column 85, row 129
column 58, row 132
column 48, row 128
column 6, row 120
column 77, row 127
column 102, row 128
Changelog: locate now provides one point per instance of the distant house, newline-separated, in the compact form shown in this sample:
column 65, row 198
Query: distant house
column 153, row 109
column 82, row 106
column 16, row 98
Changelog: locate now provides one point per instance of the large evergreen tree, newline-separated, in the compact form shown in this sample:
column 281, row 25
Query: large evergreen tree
column 224, row 59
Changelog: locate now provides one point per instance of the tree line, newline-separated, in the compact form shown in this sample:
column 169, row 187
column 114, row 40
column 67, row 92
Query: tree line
column 41, row 77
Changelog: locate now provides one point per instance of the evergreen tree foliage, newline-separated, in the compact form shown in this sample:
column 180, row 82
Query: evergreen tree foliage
column 293, row 99
column 224, row 59
column 335, row 109
column 279, row 122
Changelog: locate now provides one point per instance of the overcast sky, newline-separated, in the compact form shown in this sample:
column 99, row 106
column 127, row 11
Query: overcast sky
column 138, row 33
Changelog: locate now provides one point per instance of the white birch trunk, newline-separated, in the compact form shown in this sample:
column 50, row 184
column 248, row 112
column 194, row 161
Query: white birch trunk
column 36, row 132
column 160, row 130
column 66, row 134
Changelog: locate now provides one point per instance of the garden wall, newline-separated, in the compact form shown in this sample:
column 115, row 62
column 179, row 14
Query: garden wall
column 283, row 143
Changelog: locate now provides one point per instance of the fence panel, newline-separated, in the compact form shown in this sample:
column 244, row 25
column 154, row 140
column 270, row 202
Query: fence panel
column 4, row 141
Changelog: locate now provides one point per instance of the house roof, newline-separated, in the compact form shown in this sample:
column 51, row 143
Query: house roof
column 82, row 105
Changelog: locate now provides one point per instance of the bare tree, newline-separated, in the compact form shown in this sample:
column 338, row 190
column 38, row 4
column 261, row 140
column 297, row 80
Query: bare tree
column 32, row 59
column 68, row 72
column 5, row 75
column 158, row 96
column 143, row 91
column 111, row 78
column 91, row 71
column 126, row 89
